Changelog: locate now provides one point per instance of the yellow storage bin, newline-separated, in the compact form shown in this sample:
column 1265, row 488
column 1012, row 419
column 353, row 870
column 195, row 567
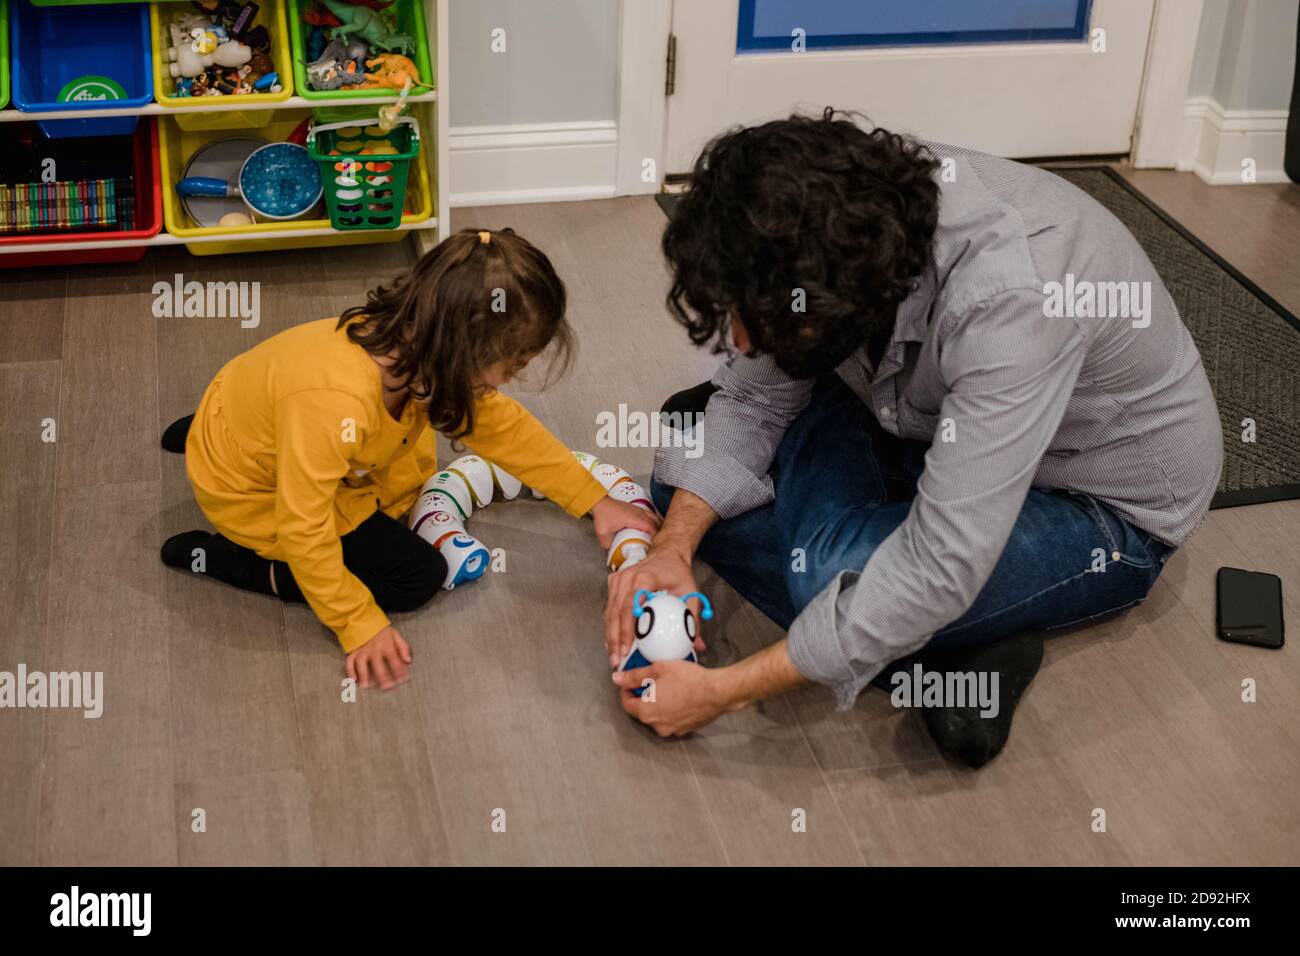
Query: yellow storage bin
column 270, row 15
column 177, row 145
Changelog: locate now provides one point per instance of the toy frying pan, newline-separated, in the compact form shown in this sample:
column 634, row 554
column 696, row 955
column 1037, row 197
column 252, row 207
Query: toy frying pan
column 276, row 181
column 219, row 159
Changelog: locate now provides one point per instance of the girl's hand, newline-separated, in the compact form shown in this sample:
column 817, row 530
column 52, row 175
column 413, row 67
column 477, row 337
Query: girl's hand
column 611, row 516
column 385, row 658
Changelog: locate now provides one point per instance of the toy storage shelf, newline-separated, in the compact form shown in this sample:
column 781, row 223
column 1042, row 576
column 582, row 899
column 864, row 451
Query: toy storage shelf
column 157, row 109
column 166, row 239
column 430, row 107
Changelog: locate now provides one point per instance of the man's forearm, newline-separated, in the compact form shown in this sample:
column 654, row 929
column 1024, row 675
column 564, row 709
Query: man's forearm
column 757, row 677
column 689, row 517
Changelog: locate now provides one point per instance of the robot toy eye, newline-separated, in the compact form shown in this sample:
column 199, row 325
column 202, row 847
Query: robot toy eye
column 690, row 624
column 645, row 622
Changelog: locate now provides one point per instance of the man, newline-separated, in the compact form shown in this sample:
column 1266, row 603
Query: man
column 961, row 410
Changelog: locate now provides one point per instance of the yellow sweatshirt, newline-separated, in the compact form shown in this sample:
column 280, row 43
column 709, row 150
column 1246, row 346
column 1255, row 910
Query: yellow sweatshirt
column 292, row 447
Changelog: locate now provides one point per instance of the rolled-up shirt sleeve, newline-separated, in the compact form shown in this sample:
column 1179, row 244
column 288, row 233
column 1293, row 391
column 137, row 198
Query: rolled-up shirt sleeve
column 1010, row 373
column 725, row 456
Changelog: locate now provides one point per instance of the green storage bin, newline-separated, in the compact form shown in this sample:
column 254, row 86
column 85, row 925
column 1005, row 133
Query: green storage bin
column 372, row 195
column 409, row 15
column 4, row 53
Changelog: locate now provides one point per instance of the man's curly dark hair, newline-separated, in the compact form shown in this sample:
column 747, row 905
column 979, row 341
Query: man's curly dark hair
column 808, row 203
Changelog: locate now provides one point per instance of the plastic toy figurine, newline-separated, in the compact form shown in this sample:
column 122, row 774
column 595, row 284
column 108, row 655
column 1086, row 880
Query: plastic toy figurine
column 395, row 72
column 340, row 64
column 374, row 27
column 333, row 74
column 194, row 51
column 665, row 629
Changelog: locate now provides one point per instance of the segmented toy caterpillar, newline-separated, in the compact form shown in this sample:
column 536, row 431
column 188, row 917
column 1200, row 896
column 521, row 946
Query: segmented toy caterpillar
column 449, row 497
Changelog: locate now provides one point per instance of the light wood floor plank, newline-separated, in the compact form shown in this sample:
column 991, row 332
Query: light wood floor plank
column 107, row 788
column 29, row 393
column 248, row 820
column 31, row 314
column 109, row 402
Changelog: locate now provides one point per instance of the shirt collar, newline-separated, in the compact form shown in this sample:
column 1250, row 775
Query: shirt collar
column 912, row 321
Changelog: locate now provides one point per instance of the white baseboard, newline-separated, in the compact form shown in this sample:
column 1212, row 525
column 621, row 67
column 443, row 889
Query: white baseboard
column 1215, row 142
column 534, row 162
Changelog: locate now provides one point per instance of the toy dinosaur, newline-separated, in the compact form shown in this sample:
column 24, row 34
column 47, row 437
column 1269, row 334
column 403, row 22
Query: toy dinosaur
column 374, row 27
column 333, row 74
column 395, row 72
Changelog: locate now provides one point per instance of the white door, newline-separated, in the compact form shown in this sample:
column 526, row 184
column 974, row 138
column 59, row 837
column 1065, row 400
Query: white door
column 1000, row 88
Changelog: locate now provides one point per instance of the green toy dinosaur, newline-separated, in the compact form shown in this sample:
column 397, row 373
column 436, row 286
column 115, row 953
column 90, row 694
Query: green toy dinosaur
column 374, row 27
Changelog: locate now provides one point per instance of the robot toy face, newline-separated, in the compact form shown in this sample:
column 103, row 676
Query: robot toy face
column 665, row 626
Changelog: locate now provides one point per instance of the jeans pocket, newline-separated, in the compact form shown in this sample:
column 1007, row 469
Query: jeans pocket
column 1123, row 543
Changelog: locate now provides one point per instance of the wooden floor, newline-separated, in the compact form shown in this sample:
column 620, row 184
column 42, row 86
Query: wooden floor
column 230, row 702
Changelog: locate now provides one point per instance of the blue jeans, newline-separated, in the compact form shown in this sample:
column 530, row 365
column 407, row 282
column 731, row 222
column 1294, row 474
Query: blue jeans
column 843, row 485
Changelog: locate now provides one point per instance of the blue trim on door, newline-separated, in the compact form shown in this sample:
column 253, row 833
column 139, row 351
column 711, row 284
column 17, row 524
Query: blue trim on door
column 746, row 42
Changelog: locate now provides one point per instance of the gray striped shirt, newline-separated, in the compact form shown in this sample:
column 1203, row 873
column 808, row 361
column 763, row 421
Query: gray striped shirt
column 1114, row 403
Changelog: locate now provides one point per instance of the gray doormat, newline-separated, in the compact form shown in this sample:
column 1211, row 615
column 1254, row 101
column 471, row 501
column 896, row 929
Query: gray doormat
column 1249, row 343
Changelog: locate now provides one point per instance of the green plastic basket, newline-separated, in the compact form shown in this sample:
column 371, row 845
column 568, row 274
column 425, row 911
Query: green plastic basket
column 4, row 53
column 409, row 16
column 370, row 195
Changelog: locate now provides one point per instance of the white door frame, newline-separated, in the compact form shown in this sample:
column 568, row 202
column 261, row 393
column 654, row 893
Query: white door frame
column 1166, row 77
column 642, row 117
column 644, row 26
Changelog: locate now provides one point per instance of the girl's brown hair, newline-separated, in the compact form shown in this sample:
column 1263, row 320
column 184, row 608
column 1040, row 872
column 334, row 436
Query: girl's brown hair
column 477, row 298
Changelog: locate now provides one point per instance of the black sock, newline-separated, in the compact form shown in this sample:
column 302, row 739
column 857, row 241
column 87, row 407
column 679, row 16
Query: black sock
column 218, row 558
column 961, row 731
column 173, row 439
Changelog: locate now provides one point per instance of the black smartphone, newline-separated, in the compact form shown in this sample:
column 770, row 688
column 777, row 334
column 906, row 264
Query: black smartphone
column 1250, row 607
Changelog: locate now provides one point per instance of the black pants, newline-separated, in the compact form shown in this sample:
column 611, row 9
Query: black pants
column 401, row 569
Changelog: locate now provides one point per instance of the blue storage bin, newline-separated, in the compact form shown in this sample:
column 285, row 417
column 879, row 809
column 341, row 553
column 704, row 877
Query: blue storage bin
column 51, row 46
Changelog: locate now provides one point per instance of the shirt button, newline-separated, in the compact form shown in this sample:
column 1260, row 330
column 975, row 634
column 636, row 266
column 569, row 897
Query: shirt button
column 886, row 412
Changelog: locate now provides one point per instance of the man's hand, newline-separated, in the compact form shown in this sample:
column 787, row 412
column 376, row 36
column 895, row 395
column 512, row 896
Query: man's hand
column 663, row 569
column 686, row 696
column 610, row 516
column 385, row 658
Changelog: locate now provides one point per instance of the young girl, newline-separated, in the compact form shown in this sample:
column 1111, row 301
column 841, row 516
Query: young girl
column 307, row 449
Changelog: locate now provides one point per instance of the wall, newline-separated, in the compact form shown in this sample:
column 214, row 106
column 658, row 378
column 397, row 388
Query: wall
column 1240, row 89
column 537, row 121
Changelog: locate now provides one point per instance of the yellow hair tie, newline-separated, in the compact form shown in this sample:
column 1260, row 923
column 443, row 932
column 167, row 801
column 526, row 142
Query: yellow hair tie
column 485, row 237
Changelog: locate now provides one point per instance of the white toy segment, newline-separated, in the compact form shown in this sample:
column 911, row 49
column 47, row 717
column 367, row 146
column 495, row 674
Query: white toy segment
column 506, row 483
column 587, row 461
column 436, row 525
column 632, row 493
column 628, row 547
column 455, row 486
column 466, row 559
column 429, row 502
column 609, row 475
column 477, row 475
